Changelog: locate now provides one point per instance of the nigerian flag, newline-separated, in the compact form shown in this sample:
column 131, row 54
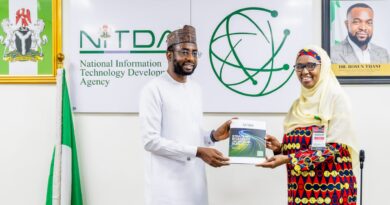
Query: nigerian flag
column 64, row 179
column 336, row 23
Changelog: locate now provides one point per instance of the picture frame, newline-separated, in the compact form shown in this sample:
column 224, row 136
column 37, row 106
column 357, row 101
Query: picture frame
column 30, row 41
column 350, row 63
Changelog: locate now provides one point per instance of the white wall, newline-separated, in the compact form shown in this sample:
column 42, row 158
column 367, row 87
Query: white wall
column 111, row 154
column 26, row 142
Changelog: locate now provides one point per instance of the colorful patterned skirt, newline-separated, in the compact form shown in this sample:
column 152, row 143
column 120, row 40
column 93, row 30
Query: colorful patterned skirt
column 318, row 176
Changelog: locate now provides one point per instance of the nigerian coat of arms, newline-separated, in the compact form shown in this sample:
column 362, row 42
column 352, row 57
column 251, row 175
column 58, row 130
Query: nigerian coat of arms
column 23, row 40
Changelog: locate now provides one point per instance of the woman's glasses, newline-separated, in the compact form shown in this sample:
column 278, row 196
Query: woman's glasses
column 309, row 66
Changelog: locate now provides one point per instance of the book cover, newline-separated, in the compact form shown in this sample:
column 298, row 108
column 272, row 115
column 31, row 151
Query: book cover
column 246, row 142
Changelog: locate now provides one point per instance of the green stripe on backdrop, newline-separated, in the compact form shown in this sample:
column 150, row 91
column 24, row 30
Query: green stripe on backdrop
column 45, row 67
column 333, row 7
column 4, row 10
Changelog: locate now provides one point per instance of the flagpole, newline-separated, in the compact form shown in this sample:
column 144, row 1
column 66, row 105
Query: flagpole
column 58, row 148
column 58, row 141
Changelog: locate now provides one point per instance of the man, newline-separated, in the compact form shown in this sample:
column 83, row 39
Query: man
column 356, row 48
column 171, row 115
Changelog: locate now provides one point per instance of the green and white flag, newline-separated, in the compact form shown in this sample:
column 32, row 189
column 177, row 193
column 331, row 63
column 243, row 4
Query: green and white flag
column 64, row 180
column 336, row 23
column 26, row 37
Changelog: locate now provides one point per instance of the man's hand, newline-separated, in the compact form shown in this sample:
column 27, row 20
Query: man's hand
column 212, row 157
column 223, row 131
column 273, row 144
column 274, row 161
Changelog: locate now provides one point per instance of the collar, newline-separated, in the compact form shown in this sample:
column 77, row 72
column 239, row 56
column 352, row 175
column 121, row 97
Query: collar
column 171, row 80
column 356, row 48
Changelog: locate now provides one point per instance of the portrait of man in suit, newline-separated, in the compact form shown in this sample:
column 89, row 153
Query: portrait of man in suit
column 357, row 47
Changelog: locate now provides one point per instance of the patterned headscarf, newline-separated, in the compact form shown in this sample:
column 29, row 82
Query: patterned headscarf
column 308, row 52
column 324, row 104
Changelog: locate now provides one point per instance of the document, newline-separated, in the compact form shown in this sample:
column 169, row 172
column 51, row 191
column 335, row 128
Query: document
column 246, row 142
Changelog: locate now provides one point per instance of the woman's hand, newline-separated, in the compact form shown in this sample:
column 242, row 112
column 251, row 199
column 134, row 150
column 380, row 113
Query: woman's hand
column 273, row 144
column 274, row 161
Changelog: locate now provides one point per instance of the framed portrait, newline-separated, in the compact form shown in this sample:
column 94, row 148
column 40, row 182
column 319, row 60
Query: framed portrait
column 355, row 34
column 30, row 39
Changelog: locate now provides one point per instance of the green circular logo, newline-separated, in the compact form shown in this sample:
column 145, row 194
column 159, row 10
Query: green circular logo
column 244, row 31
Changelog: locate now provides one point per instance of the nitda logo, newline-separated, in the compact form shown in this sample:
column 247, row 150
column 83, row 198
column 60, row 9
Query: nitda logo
column 122, row 41
column 244, row 49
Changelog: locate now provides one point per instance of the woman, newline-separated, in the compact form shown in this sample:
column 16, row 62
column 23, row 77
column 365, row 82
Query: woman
column 319, row 145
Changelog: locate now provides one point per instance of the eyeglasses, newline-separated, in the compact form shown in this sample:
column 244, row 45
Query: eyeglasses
column 309, row 66
column 187, row 53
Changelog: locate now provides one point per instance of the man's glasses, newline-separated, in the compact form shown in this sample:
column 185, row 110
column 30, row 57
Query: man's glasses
column 309, row 66
column 187, row 53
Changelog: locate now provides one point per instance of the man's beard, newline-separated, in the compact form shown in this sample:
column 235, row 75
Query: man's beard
column 178, row 69
column 357, row 41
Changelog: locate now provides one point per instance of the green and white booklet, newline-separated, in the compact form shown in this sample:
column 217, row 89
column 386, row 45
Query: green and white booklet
column 246, row 142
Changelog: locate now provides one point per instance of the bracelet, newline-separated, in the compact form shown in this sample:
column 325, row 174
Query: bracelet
column 212, row 136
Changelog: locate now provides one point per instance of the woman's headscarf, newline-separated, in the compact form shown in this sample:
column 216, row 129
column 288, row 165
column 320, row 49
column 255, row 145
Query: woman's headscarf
column 324, row 104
